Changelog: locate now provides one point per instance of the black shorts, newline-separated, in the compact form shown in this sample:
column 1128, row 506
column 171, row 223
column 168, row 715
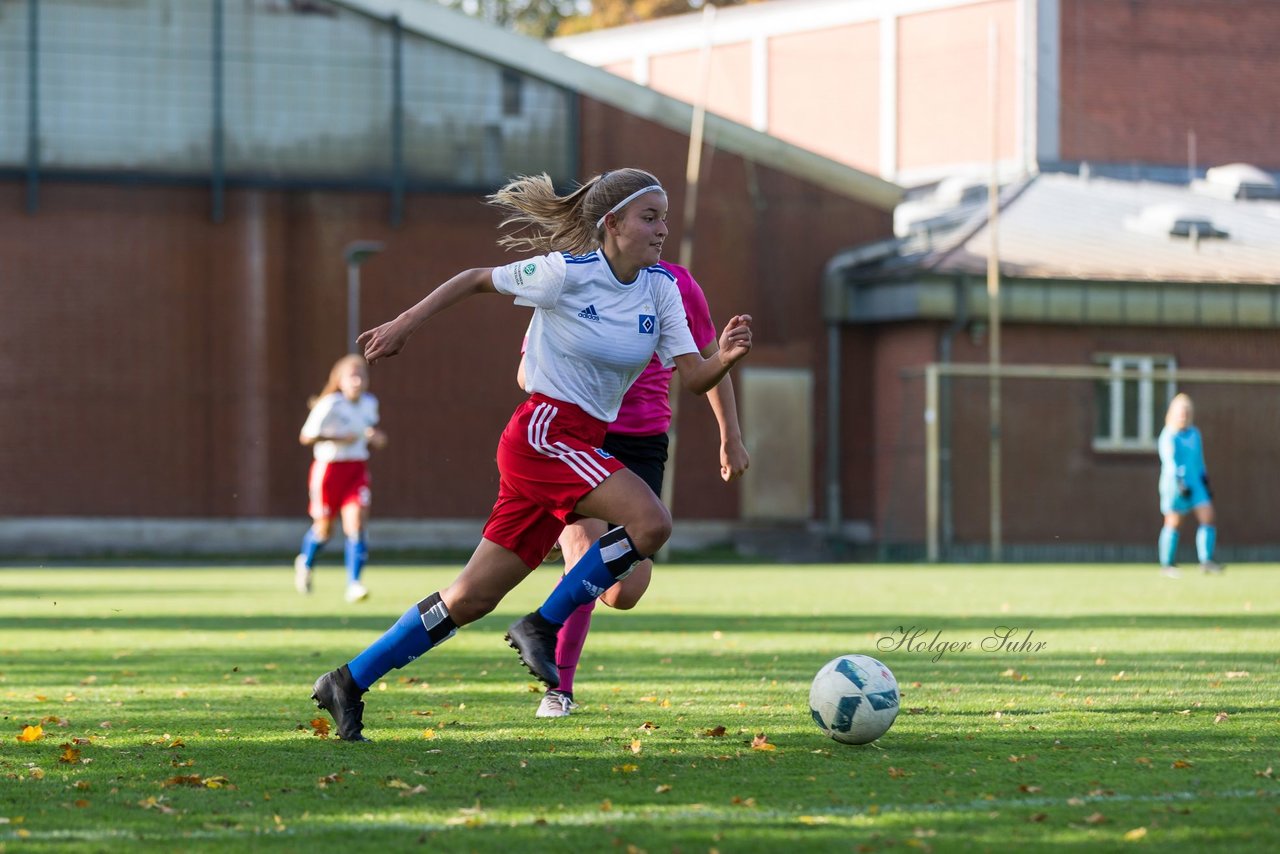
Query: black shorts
column 644, row 455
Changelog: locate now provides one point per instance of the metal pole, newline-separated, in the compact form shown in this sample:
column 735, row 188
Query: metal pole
column 353, row 305
column 218, row 131
column 356, row 253
column 931, row 467
column 33, row 106
column 993, row 294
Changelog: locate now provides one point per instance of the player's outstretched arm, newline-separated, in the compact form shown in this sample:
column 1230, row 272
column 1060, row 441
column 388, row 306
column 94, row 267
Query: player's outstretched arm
column 390, row 338
column 700, row 375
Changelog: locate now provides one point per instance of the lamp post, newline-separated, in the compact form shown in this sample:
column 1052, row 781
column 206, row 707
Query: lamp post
column 356, row 253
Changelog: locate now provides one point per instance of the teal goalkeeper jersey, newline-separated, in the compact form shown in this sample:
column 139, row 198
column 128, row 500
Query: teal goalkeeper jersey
column 1181, row 458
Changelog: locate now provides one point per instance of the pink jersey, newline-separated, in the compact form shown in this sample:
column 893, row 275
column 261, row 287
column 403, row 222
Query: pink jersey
column 646, row 407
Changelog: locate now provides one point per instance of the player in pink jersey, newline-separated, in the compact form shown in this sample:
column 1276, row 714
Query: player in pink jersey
column 638, row 437
column 603, row 307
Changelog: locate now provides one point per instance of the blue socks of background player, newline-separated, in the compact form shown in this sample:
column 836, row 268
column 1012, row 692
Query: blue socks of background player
column 423, row 626
column 1168, row 545
column 610, row 559
column 311, row 546
column 356, row 552
column 1206, row 539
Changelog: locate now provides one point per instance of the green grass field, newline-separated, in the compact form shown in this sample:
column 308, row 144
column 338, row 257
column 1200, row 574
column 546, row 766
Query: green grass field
column 174, row 714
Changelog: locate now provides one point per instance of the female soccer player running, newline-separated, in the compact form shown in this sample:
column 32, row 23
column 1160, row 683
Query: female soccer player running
column 602, row 308
column 341, row 428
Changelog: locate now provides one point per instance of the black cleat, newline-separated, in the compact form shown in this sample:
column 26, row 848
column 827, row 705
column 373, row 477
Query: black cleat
column 337, row 693
column 534, row 637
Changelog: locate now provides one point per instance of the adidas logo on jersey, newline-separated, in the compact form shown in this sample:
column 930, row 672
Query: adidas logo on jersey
column 589, row 313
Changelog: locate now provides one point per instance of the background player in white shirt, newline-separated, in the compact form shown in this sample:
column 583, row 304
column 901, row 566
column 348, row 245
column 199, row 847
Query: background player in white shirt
column 341, row 429
column 600, row 314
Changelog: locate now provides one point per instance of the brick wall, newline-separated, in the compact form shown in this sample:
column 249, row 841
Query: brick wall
column 156, row 364
column 1138, row 75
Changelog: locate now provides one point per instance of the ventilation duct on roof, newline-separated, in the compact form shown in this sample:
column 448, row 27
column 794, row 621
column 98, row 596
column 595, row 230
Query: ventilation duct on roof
column 1174, row 221
column 1237, row 181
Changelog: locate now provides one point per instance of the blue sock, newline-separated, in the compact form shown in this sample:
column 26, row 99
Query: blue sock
column 1168, row 546
column 423, row 626
column 610, row 559
column 356, row 552
column 311, row 546
column 1206, row 539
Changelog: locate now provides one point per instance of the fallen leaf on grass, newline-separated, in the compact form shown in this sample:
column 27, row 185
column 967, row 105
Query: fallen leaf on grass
column 328, row 780
column 1180, row 763
column 1038, row 817
column 320, row 727
column 1135, row 834
column 626, row 769
column 648, row 726
column 158, row 804
column 663, row 788
column 761, row 742
column 714, row 732
column 1237, row 674
column 635, row 745
column 69, row 755
column 81, row 803
column 1220, row 717
column 428, row 733
column 1268, row 774
column 1030, row 790
column 898, row 772
column 1096, row 818
column 31, row 733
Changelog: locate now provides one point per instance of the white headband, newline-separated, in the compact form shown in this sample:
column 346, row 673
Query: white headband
column 628, row 200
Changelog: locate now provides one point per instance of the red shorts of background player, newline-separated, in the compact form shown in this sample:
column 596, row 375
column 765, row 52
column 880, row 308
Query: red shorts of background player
column 549, row 458
column 333, row 486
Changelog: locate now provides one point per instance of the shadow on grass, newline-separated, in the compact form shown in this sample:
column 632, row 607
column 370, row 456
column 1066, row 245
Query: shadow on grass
column 973, row 628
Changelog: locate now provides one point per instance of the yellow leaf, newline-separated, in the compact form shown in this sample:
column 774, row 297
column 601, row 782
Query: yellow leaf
column 666, row 704
column 663, row 789
column 69, row 756
column 1135, row 834
column 216, row 782
column 626, row 769
column 37, row 773
column 606, row 805
column 635, row 745
column 31, row 733
column 177, row 742
column 428, row 733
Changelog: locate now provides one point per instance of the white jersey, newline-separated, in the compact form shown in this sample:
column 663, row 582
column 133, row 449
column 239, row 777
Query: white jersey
column 334, row 415
column 591, row 335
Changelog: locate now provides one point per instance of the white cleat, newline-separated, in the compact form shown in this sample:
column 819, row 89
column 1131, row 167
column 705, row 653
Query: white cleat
column 1212, row 567
column 301, row 575
column 356, row 592
column 1170, row 572
column 555, row 704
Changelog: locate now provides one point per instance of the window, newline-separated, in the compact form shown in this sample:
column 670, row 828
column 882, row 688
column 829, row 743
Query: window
column 1130, row 410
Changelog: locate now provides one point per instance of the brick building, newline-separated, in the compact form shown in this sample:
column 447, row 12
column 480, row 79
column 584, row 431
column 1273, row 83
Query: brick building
column 176, row 192
column 902, row 89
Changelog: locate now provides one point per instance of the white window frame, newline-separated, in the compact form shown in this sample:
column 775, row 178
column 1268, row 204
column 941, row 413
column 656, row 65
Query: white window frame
column 1148, row 425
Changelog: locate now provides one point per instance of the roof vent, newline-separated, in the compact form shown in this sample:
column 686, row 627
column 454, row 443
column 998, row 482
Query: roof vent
column 1174, row 221
column 1237, row 181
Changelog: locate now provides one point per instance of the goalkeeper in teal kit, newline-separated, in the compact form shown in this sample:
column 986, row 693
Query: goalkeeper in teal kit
column 1184, row 488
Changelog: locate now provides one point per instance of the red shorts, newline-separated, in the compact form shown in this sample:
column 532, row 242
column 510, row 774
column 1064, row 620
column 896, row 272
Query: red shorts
column 549, row 458
column 333, row 486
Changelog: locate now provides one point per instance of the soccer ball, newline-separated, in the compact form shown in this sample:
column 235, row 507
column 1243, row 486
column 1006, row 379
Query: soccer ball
column 854, row 699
